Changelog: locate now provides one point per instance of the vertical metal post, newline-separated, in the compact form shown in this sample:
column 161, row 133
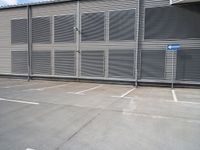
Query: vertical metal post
column 106, row 60
column 77, row 29
column 172, row 84
column 53, row 49
column 137, row 43
column 29, row 39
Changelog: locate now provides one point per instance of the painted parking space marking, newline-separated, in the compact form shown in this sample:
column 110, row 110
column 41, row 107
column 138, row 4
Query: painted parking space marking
column 87, row 90
column 18, row 101
column 90, row 89
column 30, row 149
column 183, row 102
column 174, row 96
column 48, row 87
column 125, row 94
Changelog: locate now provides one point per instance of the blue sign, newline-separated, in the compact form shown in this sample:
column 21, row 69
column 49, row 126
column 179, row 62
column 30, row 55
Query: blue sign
column 173, row 47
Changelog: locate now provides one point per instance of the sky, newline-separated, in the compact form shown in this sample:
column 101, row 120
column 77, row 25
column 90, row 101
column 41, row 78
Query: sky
column 15, row 2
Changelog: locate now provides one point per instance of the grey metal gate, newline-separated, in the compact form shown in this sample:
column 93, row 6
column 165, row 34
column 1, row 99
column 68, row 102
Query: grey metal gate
column 104, row 39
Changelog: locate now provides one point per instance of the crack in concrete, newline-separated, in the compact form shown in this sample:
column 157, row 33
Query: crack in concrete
column 81, row 128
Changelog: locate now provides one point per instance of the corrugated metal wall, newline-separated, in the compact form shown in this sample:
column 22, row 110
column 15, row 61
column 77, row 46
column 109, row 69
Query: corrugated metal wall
column 117, row 32
column 159, row 30
column 59, row 48
column 7, row 50
column 98, row 39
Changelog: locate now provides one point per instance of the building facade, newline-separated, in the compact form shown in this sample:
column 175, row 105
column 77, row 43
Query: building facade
column 117, row 40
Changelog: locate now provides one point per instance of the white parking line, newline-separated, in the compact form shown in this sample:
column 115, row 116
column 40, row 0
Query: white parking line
column 125, row 94
column 30, row 149
column 7, row 87
column 49, row 87
column 183, row 102
column 174, row 96
column 90, row 89
column 18, row 101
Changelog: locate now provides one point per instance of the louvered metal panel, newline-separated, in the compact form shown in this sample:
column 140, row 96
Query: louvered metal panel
column 19, row 62
column 156, row 3
column 121, row 63
column 65, row 63
column 173, row 22
column 153, row 64
column 6, row 45
column 170, row 61
column 92, row 63
column 104, row 5
column 121, row 25
column 182, row 1
column 41, row 62
column 19, row 31
column 64, row 28
column 93, row 26
column 41, row 30
column 188, row 65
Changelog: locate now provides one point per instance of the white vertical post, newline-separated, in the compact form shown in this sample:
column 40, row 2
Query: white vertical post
column 172, row 84
column 53, row 50
column 29, row 40
column 106, row 60
column 77, row 29
column 137, row 44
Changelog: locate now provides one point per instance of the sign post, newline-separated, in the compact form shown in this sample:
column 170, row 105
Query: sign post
column 173, row 48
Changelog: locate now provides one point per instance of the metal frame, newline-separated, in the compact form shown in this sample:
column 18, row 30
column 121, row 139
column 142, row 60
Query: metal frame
column 53, row 49
column 30, row 44
column 137, row 44
column 78, row 36
column 137, row 41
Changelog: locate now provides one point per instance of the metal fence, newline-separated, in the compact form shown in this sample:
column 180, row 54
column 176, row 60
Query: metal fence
column 122, row 40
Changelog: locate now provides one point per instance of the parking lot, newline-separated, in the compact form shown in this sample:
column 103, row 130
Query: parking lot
column 55, row 115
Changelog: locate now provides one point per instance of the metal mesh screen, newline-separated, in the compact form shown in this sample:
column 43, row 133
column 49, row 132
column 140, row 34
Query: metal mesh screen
column 174, row 22
column 92, row 63
column 92, row 26
column 41, row 30
column 65, row 63
column 19, row 31
column 19, row 62
column 153, row 64
column 188, row 65
column 121, row 63
column 121, row 25
column 64, row 28
column 41, row 62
